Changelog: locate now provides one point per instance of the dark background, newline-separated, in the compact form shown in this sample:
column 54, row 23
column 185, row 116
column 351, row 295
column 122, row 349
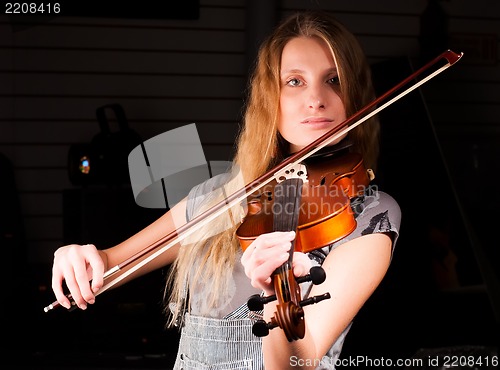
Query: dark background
column 175, row 64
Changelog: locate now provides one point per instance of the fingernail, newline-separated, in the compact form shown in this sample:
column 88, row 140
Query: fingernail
column 83, row 306
column 91, row 301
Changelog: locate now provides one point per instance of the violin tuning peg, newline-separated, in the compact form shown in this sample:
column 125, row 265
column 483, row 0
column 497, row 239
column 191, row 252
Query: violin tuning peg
column 261, row 328
column 315, row 299
column 316, row 274
column 256, row 302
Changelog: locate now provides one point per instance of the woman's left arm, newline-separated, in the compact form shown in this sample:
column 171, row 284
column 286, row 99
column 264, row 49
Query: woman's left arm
column 353, row 271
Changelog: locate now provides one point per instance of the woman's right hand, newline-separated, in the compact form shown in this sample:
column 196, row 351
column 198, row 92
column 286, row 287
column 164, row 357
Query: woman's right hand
column 82, row 267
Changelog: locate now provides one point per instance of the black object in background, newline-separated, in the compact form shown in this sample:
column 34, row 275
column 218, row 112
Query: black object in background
column 423, row 302
column 105, row 159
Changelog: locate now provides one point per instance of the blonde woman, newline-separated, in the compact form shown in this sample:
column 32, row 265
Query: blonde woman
column 310, row 75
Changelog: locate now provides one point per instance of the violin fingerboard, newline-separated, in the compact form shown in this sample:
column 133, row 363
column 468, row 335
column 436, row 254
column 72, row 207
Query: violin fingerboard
column 286, row 206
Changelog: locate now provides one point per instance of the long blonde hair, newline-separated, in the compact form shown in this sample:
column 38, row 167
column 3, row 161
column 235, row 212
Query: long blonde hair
column 260, row 147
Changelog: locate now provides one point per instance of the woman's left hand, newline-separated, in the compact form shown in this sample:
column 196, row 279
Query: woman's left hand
column 268, row 252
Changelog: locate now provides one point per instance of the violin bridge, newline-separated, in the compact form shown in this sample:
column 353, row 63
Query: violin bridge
column 296, row 170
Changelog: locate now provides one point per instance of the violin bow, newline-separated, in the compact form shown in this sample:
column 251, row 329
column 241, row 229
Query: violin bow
column 165, row 243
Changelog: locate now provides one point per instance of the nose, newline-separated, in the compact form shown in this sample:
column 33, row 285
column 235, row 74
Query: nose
column 317, row 98
column 316, row 104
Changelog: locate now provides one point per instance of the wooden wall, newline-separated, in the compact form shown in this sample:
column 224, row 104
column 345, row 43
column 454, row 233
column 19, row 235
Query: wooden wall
column 56, row 71
column 166, row 73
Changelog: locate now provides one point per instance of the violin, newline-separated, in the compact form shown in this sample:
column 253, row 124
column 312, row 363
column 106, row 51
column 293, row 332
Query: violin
column 314, row 201
column 290, row 176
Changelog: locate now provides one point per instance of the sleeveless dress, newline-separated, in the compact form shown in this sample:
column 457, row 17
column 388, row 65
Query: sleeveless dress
column 223, row 339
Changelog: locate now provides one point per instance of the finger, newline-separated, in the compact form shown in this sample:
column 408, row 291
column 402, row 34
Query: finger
column 247, row 253
column 269, row 240
column 77, row 278
column 260, row 256
column 301, row 264
column 63, row 271
column 262, row 279
column 57, row 279
column 260, row 273
column 95, row 268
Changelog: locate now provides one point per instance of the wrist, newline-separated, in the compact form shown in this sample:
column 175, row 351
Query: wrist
column 104, row 258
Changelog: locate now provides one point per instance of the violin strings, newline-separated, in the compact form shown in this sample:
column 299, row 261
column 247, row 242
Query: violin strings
column 286, row 207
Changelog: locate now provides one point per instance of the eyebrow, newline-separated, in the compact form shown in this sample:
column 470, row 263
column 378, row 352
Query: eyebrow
column 300, row 71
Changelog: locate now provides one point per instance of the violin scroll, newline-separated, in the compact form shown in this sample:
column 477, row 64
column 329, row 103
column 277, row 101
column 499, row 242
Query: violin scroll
column 261, row 328
column 289, row 315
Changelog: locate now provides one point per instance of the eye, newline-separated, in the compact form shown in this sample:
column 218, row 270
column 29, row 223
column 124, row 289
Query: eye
column 294, row 82
column 334, row 80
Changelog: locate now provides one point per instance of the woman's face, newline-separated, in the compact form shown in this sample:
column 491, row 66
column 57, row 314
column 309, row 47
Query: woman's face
column 310, row 103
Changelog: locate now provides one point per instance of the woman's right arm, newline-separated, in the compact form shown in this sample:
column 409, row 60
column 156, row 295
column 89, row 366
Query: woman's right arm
column 78, row 265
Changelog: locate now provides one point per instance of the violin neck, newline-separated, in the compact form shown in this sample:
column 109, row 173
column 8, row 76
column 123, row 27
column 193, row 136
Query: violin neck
column 286, row 207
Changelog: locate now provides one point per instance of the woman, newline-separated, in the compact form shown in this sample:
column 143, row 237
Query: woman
column 310, row 76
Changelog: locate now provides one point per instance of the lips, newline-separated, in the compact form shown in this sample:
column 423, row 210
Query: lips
column 317, row 120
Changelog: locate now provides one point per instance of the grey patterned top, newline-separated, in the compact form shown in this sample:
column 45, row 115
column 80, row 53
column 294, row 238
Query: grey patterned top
column 376, row 212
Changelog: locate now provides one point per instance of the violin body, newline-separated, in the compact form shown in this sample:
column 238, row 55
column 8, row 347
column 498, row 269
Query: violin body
column 325, row 214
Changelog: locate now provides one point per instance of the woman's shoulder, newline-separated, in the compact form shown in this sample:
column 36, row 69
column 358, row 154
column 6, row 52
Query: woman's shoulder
column 200, row 192
column 379, row 213
column 380, row 199
column 209, row 184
